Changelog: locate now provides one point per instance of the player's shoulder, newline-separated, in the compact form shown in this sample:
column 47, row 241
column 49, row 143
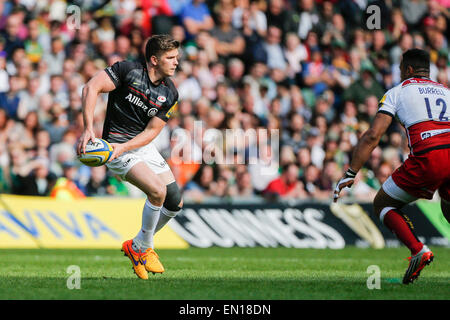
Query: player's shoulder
column 128, row 65
column 392, row 91
column 120, row 69
column 170, row 84
column 172, row 89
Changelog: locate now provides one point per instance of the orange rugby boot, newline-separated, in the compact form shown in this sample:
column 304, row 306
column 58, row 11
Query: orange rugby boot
column 138, row 259
column 152, row 263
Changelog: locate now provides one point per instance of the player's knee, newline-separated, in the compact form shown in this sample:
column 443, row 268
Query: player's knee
column 157, row 192
column 174, row 199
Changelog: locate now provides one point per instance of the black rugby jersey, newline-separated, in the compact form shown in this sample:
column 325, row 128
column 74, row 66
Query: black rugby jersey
column 135, row 101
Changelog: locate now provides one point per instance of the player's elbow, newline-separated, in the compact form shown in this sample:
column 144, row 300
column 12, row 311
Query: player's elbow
column 87, row 89
column 93, row 87
column 371, row 137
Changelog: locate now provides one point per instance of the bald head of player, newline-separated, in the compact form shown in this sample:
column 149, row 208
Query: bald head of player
column 161, row 56
column 415, row 63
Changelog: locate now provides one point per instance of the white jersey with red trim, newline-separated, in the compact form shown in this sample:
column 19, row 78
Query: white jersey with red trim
column 423, row 107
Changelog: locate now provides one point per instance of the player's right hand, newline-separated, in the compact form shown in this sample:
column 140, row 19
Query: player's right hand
column 346, row 181
column 82, row 142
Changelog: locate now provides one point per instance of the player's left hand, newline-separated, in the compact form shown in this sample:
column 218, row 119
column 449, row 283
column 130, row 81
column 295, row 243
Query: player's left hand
column 346, row 181
column 118, row 149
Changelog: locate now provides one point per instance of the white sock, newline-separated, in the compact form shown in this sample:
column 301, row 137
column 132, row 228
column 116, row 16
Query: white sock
column 150, row 216
column 164, row 217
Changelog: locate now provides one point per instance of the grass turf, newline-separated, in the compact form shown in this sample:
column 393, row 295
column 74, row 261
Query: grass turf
column 219, row 273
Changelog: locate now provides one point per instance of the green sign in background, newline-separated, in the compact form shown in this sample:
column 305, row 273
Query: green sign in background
column 433, row 212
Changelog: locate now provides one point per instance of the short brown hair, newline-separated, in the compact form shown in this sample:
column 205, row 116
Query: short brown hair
column 158, row 44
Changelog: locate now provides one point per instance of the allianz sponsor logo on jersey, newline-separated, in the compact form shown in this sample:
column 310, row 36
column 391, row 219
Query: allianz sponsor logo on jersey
column 289, row 227
column 139, row 103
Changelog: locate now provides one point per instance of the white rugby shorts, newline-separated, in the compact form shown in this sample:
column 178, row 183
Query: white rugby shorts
column 149, row 154
column 393, row 190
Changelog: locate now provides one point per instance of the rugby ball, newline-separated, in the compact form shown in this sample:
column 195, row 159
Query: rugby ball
column 97, row 153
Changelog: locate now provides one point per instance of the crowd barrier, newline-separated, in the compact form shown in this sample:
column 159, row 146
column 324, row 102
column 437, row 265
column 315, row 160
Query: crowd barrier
column 37, row 222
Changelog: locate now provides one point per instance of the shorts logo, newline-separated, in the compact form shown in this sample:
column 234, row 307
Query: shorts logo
column 161, row 99
column 152, row 112
column 126, row 163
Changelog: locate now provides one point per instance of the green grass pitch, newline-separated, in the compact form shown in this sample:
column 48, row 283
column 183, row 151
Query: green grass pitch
column 220, row 273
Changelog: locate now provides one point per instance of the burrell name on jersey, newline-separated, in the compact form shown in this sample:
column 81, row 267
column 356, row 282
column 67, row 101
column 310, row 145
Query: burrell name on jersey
column 135, row 101
column 420, row 105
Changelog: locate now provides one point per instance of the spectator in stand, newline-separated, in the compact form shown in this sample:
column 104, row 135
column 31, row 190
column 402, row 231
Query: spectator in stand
column 228, row 41
column 315, row 74
column 98, row 184
column 287, row 185
column 29, row 98
column 32, row 44
column 257, row 20
column 295, row 135
column 243, row 186
column 309, row 17
column 55, row 58
column 278, row 15
column 40, row 180
column 196, row 17
column 10, row 100
column 202, row 184
column 11, row 34
column 295, row 53
column 365, row 86
column 272, row 45
column 313, row 187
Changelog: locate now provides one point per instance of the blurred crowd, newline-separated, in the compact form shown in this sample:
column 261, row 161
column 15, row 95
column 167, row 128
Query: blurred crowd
column 310, row 70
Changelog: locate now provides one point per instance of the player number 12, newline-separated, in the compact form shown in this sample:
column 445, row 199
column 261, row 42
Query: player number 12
column 438, row 103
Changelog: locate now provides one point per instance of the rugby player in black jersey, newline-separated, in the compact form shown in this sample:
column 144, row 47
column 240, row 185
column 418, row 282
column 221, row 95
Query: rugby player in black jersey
column 141, row 100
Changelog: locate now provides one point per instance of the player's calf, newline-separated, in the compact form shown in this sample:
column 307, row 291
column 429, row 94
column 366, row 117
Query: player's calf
column 388, row 211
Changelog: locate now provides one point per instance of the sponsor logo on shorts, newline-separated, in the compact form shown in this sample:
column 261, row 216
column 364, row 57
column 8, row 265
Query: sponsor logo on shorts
column 161, row 164
column 126, row 163
column 431, row 133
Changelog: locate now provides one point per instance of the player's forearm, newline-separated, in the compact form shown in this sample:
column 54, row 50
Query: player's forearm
column 363, row 150
column 89, row 100
column 141, row 139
